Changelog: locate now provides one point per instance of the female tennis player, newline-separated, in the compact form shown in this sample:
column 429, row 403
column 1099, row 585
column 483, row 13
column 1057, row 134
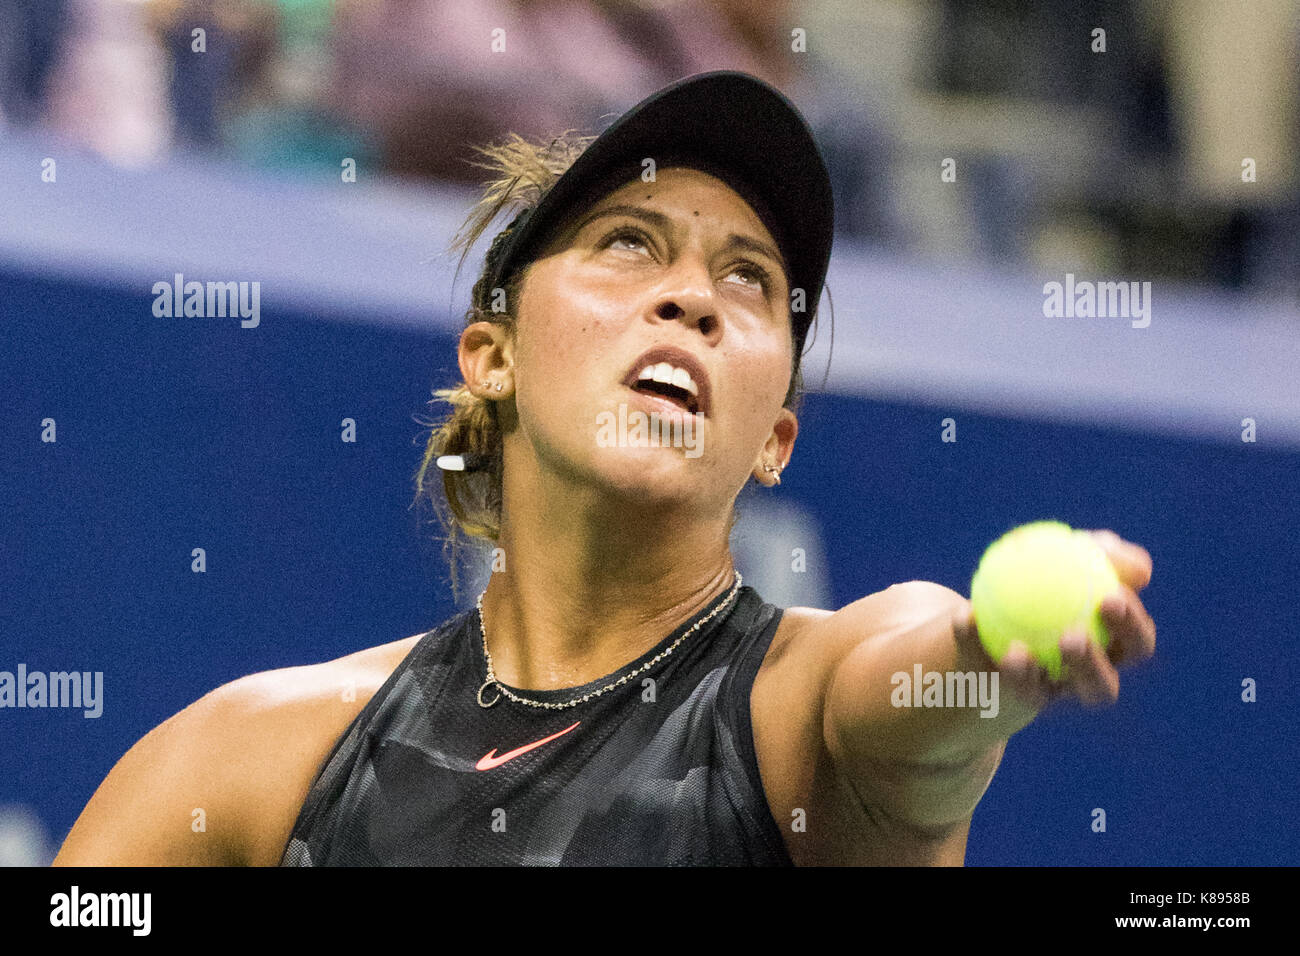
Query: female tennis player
column 618, row 696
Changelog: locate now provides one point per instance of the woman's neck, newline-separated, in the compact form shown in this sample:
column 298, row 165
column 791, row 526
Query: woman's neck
column 588, row 584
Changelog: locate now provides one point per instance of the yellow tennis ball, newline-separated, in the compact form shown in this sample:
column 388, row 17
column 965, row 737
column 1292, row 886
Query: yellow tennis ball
column 1036, row 582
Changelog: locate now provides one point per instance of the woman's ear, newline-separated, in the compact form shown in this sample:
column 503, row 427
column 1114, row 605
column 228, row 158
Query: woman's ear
column 777, row 449
column 486, row 358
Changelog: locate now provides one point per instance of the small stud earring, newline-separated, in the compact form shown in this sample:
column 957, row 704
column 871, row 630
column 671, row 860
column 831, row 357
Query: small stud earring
column 774, row 471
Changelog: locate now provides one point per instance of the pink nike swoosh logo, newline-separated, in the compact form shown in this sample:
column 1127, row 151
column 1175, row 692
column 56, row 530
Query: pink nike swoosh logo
column 490, row 759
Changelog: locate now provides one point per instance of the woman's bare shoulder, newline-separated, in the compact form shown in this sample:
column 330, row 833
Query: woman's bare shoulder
column 814, row 636
column 286, row 722
column 810, row 643
column 222, row 781
column 281, row 693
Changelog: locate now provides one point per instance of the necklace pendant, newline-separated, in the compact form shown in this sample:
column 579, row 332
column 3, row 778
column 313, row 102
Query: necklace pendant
column 481, row 702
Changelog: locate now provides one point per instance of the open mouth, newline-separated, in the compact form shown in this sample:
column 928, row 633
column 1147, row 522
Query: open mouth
column 674, row 375
column 682, row 395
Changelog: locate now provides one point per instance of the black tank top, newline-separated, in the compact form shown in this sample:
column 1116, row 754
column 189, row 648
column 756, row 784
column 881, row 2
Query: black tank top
column 647, row 774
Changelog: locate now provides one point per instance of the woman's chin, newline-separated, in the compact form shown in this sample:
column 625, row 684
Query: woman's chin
column 652, row 474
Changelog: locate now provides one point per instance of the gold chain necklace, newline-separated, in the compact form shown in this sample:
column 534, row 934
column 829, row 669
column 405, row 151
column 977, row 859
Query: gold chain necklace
column 503, row 690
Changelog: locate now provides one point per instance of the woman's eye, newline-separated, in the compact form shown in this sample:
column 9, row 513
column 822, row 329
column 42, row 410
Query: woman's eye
column 756, row 275
column 633, row 236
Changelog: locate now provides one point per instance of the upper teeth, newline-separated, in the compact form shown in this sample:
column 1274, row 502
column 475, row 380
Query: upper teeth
column 671, row 375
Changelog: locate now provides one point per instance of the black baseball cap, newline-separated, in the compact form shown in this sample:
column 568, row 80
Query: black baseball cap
column 729, row 124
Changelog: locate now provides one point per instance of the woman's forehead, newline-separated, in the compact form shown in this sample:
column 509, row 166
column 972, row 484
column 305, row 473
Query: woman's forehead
column 681, row 182
column 683, row 194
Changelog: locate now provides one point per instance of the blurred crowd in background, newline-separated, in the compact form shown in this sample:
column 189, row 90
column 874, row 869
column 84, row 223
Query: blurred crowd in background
column 1127, row 162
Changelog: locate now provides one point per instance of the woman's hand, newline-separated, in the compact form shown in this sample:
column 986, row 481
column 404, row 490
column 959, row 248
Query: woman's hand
column 1091, row 674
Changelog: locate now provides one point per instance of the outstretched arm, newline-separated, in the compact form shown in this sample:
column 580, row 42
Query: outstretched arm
column 928, row 766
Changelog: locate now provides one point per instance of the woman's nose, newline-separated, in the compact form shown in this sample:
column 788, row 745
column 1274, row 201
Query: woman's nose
column 708, row 324
column 692, row 302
